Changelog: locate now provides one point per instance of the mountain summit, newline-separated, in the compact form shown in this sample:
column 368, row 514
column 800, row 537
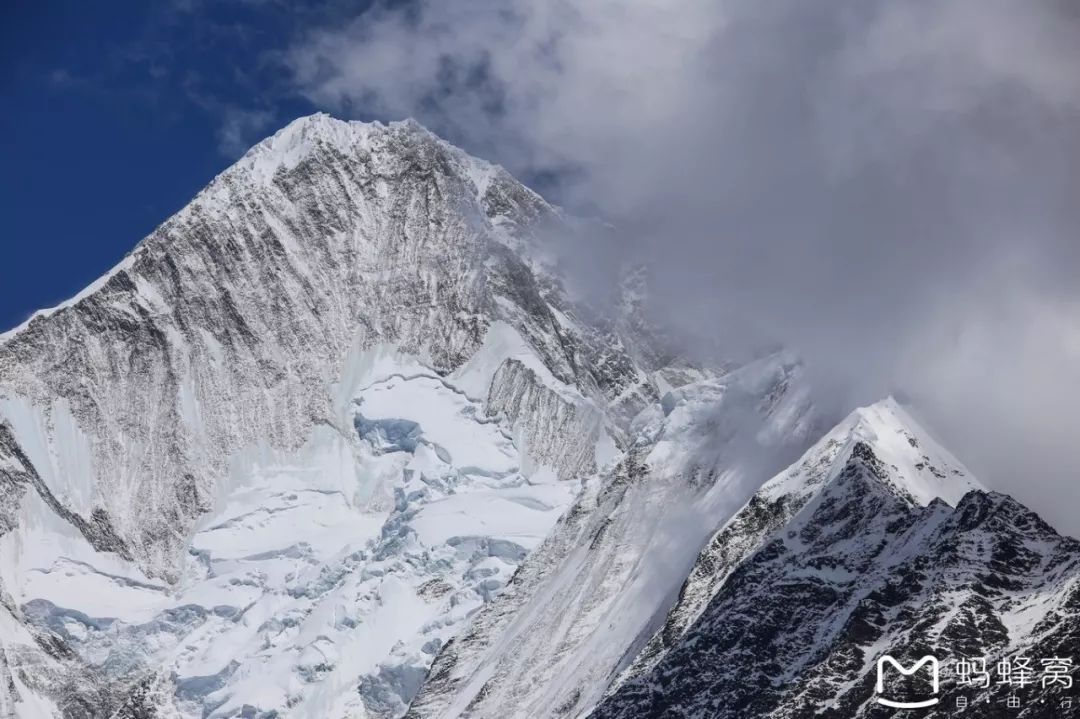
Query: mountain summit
column 875, row 541
column 228, row 325
column 336, row 393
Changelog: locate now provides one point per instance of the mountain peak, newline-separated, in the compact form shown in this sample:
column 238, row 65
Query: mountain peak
column 912, row 463
column 188, row 429
column 823, row 586
column 323, row 125
column 371, row 147
column 298, row 139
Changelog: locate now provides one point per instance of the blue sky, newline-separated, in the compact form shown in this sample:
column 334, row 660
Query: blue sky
column 115, row 114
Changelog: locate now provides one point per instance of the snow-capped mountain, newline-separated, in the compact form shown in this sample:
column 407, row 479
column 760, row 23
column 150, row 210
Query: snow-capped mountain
column 877, row 541
column 335, row 441
column 275, row 458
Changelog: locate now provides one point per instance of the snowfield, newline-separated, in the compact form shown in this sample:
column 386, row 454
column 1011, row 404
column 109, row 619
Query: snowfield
column 347, row 563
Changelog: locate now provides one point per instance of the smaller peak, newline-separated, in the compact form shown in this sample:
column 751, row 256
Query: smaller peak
column 979, row 507
column 410, row 124
column 885, row 411
column 413, row 131
column 917, row 463
column 884, row 434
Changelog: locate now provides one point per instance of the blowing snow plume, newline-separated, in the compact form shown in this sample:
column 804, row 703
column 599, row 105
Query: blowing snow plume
column 889, row 188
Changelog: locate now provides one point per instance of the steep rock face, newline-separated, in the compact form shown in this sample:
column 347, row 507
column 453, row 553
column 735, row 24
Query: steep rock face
column 853, row 553
column 558, row 433
column 276, row 458
column 581, row 605
column 229, row 324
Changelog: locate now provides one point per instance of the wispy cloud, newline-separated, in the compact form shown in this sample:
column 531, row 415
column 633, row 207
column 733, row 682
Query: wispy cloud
column 889, row 187
column 240, row 129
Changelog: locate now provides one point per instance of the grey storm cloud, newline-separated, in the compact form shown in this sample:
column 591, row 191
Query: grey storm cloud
column 892, row 189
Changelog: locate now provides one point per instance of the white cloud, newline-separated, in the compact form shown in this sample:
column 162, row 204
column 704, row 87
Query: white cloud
column 240, row 128
column 889, row 186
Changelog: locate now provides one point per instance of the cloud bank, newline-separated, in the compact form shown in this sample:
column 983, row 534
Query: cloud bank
column 891, row 188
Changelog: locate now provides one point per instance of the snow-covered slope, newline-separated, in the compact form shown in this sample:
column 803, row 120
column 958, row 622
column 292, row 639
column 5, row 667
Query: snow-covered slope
column 915, row 467
column 876, row 541
column 582, row 604
column 328, row 579
column 279, row 454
